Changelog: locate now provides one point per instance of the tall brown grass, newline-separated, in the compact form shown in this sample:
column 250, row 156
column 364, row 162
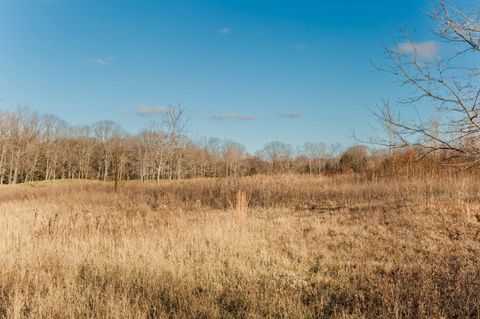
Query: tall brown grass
column 307, row 247
column 240, row 205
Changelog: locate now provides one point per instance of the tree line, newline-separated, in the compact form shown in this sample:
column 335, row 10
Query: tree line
column 38, row 147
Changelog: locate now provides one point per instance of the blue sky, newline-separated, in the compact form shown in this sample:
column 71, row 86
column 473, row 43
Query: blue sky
column 249, row 70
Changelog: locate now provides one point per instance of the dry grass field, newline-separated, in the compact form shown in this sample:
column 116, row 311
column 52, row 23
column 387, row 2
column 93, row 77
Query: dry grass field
column 258, row 247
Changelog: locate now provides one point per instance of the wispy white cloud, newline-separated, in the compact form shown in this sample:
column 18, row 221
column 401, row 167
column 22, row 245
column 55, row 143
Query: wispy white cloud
column 233, row 116
column 300, row 46
column 102, row 62
column 290, row 115
column 426, row 49
column 144, row 110
column 225, row 31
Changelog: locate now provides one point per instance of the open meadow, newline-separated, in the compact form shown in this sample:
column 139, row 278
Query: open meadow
column 240, row 159
column 287, row 246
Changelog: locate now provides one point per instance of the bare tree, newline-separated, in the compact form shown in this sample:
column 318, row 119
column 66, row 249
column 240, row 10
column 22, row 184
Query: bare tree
column 161, row 143
column 174, row 123
column 105, row 132
column 315, row 152
column 232, row 154
column 277, row 153
column 5, row 145
column 143, row 144
column 446, row 89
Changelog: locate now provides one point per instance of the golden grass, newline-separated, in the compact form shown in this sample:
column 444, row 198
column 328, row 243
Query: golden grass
column 306, row 247
column 240, row 205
